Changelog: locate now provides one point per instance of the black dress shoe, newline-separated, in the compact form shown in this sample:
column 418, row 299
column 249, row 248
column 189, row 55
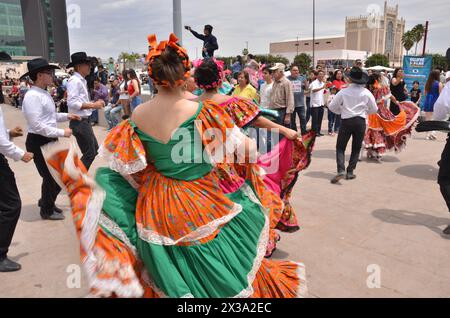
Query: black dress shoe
column 350, row 176
column 8, row 266
column 338, row 178
column 447, row 230
column 53, row 217
column 56, row 209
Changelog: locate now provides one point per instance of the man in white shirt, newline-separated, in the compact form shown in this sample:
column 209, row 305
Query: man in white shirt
column 317, row 91
column 10, row 202
column 354, row 104
column 39, row 110
column 441, row 113
column 266, row 87
column 79, row 103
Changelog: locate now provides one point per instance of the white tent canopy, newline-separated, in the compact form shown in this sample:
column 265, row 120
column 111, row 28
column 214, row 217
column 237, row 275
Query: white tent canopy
column 381, row 68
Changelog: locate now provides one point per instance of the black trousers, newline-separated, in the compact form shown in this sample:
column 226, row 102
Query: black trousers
column 301, row 112
column 355, row 128
column 317, row 118
column 444, row 174
column 10, row 206
column 83, row 132
column 49, row 189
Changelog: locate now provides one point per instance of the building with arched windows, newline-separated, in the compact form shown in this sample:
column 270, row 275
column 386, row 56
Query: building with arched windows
column 378, row 33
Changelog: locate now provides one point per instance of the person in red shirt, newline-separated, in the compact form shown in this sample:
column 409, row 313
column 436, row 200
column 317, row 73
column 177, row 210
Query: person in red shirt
column 15, row 94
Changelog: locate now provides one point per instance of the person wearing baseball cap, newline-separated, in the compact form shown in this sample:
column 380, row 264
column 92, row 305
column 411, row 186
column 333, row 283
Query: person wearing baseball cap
column 282, row 96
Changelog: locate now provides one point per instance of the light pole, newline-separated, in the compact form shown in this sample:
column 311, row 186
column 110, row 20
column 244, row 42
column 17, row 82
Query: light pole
column 177, row 20
column 297, row 45
column 314, row 33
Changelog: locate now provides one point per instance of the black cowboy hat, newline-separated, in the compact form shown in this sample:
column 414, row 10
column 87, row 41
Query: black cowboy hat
column 79, row 58
column 358, row 76
column 37, row 65
column 5, row 56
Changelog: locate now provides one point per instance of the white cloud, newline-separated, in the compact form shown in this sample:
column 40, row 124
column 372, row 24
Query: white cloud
column 109, row 27
column 117, row 4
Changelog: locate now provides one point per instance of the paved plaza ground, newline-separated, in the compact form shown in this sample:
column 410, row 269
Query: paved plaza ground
column 390, row 218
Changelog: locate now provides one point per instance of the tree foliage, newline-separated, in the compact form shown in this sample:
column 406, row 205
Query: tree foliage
column 377, row 59
column 303, row 61
column 418, row 33
column 129, row 58
column 440, row 61
column 408, row 40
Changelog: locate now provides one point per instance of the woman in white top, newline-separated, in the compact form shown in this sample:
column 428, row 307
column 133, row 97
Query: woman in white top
column 124, row 98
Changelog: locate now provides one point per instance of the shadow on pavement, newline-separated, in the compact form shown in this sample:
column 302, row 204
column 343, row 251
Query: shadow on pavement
column 402, row 217
column 320, row 175
column 423, row 172
column 279, row 255
column 390, row 159
column 17, row 258
column 30, row 214
column 324, row 154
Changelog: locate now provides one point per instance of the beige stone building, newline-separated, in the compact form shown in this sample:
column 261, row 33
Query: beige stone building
column 380, row 32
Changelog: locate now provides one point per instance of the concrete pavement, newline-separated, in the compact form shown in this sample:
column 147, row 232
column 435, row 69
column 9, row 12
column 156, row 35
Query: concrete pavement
column 383, row 228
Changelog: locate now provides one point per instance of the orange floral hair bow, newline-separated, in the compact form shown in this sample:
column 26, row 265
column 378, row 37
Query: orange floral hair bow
column 155, row 51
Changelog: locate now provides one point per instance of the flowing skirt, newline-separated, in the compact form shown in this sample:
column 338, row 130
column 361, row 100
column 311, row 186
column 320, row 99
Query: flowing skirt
column 389, row 132
column 151, row 236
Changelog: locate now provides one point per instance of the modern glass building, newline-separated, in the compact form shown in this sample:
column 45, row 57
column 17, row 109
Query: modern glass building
column 35, row 28
column 12, row 33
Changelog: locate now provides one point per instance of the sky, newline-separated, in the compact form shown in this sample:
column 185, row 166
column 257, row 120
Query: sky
column 104, row 28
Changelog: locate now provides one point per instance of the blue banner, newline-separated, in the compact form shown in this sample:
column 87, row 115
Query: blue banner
column 417, row 68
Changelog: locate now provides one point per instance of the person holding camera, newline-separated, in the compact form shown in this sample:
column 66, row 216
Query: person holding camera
column 10, row 202
column 79, row 103
column 39, row 110
column 209, row 41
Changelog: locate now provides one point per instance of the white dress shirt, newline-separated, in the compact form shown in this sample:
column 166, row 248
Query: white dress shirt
column 7, row 148
column 39, row 110
column 354, row 101
column 265, row 92
column 317, row 98
column 442, row 105
column 77, row 95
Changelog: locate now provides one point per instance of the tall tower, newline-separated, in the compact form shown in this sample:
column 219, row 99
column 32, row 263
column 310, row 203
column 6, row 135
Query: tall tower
column 46, row 31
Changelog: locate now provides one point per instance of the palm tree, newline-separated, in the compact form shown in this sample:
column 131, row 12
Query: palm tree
column 418, row 32
column 408, row 40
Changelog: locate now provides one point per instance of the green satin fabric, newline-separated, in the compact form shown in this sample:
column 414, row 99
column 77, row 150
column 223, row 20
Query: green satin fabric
column 217, row 269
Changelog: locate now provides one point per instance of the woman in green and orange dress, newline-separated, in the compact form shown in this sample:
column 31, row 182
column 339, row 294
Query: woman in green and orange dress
column 283, row 164
column 156, row 223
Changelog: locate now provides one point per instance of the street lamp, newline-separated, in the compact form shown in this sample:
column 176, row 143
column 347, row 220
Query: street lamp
column 314, row 33
column 177, row 20
column 297, row 45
